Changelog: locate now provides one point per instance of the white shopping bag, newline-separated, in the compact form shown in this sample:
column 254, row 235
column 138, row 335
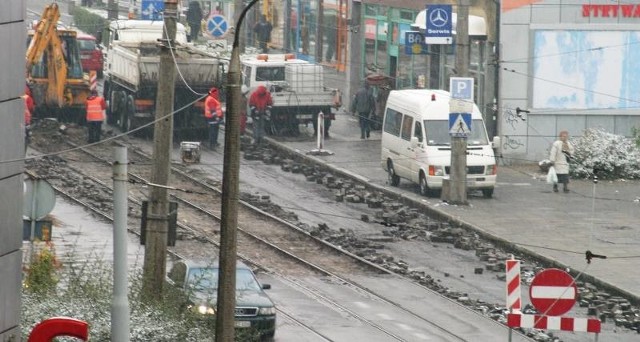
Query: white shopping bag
column 552, row 176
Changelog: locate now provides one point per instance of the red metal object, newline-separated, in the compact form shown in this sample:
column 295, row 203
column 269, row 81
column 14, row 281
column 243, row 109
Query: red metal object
column 51, row 328
column 553, row 292
column 590, row 325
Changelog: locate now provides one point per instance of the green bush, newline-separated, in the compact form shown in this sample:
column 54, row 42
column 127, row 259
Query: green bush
column 89, row 22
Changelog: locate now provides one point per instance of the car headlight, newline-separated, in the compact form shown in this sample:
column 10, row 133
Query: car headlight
column 206, row 310
column 267, row 311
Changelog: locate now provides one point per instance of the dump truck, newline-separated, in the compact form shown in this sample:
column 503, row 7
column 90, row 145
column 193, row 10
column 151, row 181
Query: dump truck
column 54, row 71
column 297, row 88
column 132, row 71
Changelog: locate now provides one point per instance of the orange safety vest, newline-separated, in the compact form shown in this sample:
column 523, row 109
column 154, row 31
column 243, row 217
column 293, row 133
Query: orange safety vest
column 95, row 110
column 28, row 102
column 211, row 104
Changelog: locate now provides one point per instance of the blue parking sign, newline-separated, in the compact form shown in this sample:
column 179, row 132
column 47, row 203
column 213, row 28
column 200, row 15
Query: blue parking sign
column 414, row 43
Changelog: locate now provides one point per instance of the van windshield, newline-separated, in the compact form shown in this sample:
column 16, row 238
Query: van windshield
column 437, row 132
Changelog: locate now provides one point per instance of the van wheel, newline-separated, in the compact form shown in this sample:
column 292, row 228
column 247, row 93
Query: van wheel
column 424, row 188
column 487, row 193
column 394, row 179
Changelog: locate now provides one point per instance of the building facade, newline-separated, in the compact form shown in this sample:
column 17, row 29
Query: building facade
column 12, row 39
column 572, row 65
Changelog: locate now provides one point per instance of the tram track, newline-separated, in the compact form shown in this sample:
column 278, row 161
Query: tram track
column 277, row 243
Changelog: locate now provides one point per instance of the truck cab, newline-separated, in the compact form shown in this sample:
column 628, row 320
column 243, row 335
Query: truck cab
column 296, row 87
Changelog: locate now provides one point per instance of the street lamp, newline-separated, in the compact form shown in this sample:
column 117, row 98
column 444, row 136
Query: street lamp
column 225, row 316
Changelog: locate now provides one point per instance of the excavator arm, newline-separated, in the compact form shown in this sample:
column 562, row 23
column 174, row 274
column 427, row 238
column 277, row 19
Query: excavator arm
column 45, row 38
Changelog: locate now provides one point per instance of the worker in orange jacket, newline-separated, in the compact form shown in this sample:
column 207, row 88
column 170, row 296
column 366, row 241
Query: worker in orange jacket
column 96, row 107
column 213, row 114
column 29, row 107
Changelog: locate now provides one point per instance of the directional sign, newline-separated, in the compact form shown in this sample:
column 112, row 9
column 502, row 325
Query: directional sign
column 152, row 9
column 217, row 26
column 414, row 43
column 460, row 124
column 439, row 28
column 553, row 292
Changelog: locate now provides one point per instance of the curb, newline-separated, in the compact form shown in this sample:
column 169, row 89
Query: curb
column 441, row 215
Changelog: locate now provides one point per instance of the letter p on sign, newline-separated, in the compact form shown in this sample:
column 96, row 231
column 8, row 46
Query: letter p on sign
column 461, row 88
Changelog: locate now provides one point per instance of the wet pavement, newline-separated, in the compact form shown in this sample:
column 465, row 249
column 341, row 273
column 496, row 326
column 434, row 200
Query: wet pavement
column 602, row 217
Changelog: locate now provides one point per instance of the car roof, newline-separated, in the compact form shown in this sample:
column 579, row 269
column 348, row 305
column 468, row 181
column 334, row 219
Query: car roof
column 84, row 35
column 208, row 263
column 421, row 100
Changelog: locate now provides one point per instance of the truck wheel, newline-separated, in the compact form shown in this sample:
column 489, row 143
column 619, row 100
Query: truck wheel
column 394, row 179
column 487, row 193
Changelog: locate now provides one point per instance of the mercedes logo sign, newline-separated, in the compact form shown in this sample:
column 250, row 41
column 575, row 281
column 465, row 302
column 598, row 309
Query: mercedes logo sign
column 438, row 17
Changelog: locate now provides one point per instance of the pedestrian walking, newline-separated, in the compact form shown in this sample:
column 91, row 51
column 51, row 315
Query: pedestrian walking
column 260, row 104
column 213, row 114
column 194, row 19
column 263, row 33
column 96, row 107
column 364, row 106
column 561, row 152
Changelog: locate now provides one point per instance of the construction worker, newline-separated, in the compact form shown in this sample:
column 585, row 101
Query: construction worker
column 96, row 107
column 260, row 104
column 213, row 115
column 29, row 106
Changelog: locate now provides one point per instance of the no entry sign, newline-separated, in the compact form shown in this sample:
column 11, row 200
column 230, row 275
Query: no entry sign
column 553, row 292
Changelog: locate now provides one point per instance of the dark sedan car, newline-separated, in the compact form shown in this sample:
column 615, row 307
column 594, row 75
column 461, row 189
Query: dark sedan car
column 199, row 280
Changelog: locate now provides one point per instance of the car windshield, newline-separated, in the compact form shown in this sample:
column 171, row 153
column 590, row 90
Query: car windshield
column 203, row 278
column 86, row 44
column 437, row 132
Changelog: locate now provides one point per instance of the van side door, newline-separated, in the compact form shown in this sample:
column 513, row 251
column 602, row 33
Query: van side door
column 419, row 151
column 403, row 168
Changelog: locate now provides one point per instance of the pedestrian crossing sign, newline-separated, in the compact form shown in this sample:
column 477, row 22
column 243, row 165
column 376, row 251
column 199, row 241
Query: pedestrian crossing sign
column 460, row 124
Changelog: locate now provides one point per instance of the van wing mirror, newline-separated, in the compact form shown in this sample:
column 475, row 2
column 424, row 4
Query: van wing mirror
column 414, row 142
column 496, row 142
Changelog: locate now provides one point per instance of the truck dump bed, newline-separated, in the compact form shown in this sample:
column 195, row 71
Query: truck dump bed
column 137, row 64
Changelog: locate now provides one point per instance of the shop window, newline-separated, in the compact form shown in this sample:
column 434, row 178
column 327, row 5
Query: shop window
column 371, row 10
column 407, row 15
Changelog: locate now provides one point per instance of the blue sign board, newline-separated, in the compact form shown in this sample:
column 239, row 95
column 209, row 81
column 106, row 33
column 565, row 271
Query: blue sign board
column 460, row 124
column 439, row 28
column 461, row 88
column 152, row 9
column 414, row 44
column 217, row 26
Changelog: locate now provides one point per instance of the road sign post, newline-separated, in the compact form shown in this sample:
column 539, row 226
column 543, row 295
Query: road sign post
column 553, row 292
column 439, row 27
column 217, row 26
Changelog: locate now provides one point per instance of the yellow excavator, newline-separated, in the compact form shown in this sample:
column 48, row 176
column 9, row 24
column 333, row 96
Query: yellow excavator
column 54, row 72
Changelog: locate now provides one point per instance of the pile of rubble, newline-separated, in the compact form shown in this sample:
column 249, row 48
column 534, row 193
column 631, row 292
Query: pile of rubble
column 406, row 223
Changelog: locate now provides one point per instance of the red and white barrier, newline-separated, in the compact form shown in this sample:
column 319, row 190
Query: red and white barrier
column 514, row 301
column 591, row 325
column 93, row 80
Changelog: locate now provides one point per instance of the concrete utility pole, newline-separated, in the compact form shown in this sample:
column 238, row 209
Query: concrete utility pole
column 155, row 254
column 225, row 316
column 112, row 10
column 458, row 173
column 287, row 41
column 120, row 302
column 237, row 9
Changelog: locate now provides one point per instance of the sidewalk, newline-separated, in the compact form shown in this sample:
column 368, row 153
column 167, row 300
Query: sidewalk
column 524, row 211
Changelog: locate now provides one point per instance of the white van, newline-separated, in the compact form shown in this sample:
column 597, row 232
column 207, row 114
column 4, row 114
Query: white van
column 416, row 144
